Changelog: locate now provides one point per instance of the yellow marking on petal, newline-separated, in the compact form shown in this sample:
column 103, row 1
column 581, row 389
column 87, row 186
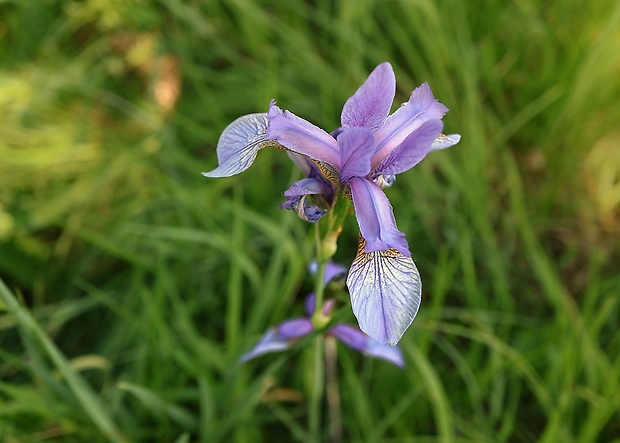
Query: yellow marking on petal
column 385, row 291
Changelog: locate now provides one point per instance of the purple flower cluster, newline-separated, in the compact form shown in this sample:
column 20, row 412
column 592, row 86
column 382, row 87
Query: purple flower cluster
column 284, row 335
column 360, row 158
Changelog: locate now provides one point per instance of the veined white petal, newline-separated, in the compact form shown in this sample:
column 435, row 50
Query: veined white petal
column 239, row 144
column 386, row 292
column 445, row 141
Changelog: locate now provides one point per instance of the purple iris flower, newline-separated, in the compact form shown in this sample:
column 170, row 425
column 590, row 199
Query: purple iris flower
column 370, row 148
column 361, row 157
column 287, row 333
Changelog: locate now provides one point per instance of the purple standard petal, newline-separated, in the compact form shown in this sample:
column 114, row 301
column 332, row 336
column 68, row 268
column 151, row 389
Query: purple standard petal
column 301, row 136
column 370, row 105
column 375, row 218
column 385, row 291
column 412, row 150
column 239, row 144
column 356, row 339
column 421, row 106
column 356, row 148
column 270, row 342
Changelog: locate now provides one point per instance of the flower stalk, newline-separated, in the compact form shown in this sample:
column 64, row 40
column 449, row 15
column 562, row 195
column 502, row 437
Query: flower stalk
column 357, row 160
column 345, row 171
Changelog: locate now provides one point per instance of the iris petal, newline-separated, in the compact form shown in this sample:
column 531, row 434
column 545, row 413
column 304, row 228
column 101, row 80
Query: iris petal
column 421, row 106
column 386, row 292
column 393, row 354
column 350, row 336
column 334, row 270
column 307, row 186
column 301, row 136
column 371, row 103
column 356, row 148
column 294, row 328
column 375, row 218
column 444, row 141
column 297, row 198
column 239, row 144
column 303, row 209
column 412, row 150
column 355, row 339
column 270, row 342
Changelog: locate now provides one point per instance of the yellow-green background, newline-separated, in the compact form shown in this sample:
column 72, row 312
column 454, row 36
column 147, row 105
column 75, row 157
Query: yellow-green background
column 132, row 284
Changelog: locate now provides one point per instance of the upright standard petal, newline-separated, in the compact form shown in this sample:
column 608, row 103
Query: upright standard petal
column 412, row 150
column 239, row 144
column 371, row 103
column 386, row 292
column 421, row 106
column 301, row 136
column 375, row 218
column 356, row 147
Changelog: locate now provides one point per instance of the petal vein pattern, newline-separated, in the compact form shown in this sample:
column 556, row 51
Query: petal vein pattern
column 239, row 144
column 386, row 292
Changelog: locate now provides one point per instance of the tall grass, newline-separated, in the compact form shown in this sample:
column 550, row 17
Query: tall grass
column 132, row 284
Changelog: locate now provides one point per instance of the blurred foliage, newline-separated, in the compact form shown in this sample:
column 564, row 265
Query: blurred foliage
column 133, row 284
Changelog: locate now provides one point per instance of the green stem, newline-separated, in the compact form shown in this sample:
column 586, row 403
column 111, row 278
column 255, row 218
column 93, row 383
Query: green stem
column 332, row 393
column 318, row 387
column 316, row 398
column 319, row 286
column 325, row 249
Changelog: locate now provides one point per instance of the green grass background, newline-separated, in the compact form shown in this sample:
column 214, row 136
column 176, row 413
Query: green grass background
column 131, row 284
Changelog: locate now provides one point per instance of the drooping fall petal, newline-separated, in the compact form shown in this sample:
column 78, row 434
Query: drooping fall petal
column 239, row 144
column 356, row 339
column 386, row 292
column 279, row 338
column 375, row 218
